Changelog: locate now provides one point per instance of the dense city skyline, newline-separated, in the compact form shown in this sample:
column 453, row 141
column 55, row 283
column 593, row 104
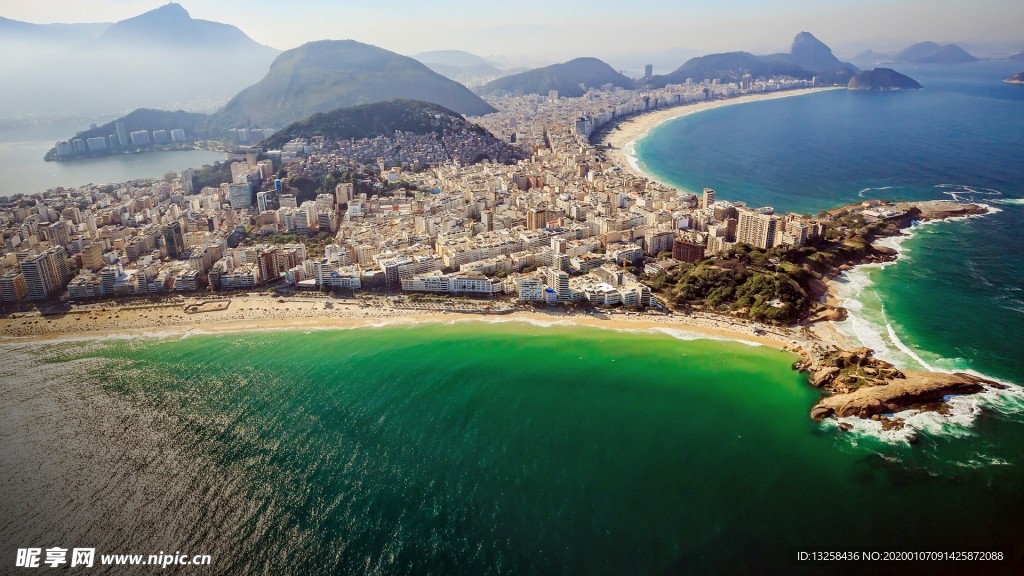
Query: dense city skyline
column 543, row 31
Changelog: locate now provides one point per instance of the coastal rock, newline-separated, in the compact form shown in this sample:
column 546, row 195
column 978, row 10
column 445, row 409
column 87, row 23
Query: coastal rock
column 821, row 412
column 824, row 376
column 900, row 394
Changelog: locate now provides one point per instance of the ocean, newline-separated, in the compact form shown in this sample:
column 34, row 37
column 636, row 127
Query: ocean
column 25, row 172
column 477, row 449
column 512, row 448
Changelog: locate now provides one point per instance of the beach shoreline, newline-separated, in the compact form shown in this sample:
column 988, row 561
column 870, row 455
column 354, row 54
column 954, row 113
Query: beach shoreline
column 617, row 138
column 251, row 313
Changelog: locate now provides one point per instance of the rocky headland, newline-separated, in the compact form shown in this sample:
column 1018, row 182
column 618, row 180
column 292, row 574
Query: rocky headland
column 860, row 385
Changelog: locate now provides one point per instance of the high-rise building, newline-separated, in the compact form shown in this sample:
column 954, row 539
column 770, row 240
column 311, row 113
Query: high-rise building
column 687, row 250
column 174, row 240
column 240, row 195
column 708, row 198
column 558, row 280
column 261, row 201
column 649, row 71
column 122, row 134
column 13, row 287
column 140, row 138
column 657, row 242
column 186, row 181
column 343, row 193
column 46, row 273
column 92, row 256
column 536, row 218
column 756, row 229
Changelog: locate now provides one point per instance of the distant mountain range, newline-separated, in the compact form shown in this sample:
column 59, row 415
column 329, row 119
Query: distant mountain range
column 570, row 79
column 460, row 66
column 932, row 53
column 808, row 57
column 162, row 57
column 919, row 53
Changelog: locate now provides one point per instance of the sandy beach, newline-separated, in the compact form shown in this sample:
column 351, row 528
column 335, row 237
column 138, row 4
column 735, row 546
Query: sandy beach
column 620, row 137
column 260, row 313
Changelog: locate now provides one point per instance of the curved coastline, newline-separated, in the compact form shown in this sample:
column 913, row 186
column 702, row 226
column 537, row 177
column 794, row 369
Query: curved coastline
column 619, row 138
column 619, row 141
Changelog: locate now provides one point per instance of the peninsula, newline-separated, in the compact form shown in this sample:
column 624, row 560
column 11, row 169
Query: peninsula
column 1015, row 79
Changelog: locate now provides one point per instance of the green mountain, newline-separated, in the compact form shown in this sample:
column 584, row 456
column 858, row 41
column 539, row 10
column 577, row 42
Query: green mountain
column 570, row 79
column 932, row 53
column 329, row 74
column 372, row 120
column 729, row 67
column 882, row 79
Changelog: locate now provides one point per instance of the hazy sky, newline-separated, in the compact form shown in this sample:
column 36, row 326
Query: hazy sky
column 554, row 30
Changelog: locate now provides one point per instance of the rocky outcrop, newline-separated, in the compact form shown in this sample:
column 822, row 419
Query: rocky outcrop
column 906, row 391
column 940, row 209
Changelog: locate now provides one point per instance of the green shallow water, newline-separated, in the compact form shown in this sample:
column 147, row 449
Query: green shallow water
column 511, row 449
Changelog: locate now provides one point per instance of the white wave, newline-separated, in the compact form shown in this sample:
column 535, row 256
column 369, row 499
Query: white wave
column 968, row 189
column 865, row 190
column 957, row 421
column 530, row 321
column 687, row 335
column 898, row 342
column 1009, row 201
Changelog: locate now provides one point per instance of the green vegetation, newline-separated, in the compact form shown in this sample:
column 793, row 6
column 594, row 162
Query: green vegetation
column 315, row 244
column 371, row 120
column 744, row 282
column 778, row 285
column 308, row 187
column 213, row 175
column 570, row 79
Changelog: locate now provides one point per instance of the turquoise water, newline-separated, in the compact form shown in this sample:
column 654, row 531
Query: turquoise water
column 476, row 449
column 955, row 301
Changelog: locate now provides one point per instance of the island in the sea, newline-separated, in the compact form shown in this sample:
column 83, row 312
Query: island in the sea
column 1015, row 79
column 882, row 79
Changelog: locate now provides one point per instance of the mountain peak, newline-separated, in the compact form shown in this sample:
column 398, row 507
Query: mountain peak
column 813, row 54
column 327, row 74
